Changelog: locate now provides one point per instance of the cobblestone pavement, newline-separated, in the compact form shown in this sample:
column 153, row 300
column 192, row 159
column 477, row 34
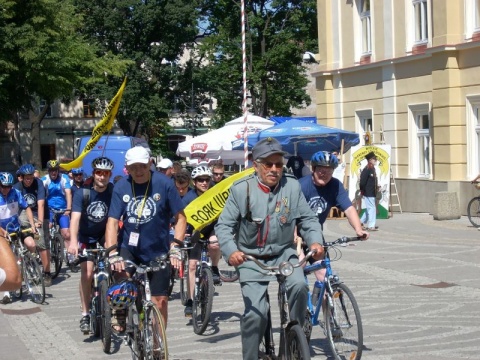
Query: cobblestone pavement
column 416, row 281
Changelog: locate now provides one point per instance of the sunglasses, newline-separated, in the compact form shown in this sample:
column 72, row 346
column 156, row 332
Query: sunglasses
column 6, row 186
column 268, row 165
column 202, row 180
column 181, row 188
column 218, row 174
column 77, row 174
column 102, row 172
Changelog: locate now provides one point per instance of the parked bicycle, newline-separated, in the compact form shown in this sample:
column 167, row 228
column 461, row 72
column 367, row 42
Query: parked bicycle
column 145, row 329
column 293, row 343
column 203, row 290
column 100, row 312
column 473, row 208
column 342, row 324
column 32, row 274
column 58, row 253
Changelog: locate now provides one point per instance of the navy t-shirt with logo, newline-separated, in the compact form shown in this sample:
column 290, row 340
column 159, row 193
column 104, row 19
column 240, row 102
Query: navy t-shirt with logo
column 93, row 221
column 32, row 194
column 151, row 204
column 322, row 198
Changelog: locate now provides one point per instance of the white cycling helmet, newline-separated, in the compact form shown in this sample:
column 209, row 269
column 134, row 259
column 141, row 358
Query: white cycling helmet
column 201, row 171
column 102, row 163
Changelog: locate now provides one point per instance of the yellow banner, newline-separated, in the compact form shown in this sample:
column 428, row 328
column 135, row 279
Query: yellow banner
column 102, row 127
column 207, row 208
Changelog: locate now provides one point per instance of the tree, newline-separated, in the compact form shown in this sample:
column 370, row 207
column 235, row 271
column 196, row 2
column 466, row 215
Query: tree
column 153, row 34
column 278, row 33
column 43, row 56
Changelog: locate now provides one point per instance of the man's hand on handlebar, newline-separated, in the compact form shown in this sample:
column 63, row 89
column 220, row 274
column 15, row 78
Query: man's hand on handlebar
column 237, row 258
column 319, row 251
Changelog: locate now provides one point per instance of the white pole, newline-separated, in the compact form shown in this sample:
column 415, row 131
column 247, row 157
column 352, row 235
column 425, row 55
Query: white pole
column 244, row 104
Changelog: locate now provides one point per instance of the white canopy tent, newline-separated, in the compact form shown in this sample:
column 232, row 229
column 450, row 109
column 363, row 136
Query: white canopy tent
column 217, row 144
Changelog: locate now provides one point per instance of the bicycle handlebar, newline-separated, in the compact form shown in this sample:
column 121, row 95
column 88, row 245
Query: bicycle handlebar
column 344, row 240
column 154, row 265
column 58, row 211
column 276, row 268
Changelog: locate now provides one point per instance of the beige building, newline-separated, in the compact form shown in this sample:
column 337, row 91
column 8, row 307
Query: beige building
column 410, row 71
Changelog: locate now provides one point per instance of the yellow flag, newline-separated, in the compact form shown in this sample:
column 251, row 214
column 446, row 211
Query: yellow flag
column 207, row 208
column 102, row 127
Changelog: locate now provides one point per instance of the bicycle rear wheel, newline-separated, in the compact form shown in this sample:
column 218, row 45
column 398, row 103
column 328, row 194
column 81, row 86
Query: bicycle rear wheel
column 106, row 317
column 155, row 339
column 473, row 211
column 184, row 283
column 297, row 345
column 343, row 324
column 33, row 278
column 56, row 255
column 202, row 301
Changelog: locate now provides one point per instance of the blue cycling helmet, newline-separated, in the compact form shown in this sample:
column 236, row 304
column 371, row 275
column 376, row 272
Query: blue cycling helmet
column 6, row 179
column 27, row 169
column 324, row 158
column 122, row 295
column 77, row 171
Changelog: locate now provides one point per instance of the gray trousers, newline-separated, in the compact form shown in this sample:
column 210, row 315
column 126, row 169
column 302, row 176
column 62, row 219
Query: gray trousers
column 254, row 320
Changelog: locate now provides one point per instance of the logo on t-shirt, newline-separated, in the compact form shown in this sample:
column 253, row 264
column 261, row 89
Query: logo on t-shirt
column 146, row 208
column 31, row 199
column 97, row 211
column 318, row 205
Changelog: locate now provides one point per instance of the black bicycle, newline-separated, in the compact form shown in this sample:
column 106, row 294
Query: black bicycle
column 30, row 267
column 473, row 208
column 100, row 312
column 57, row 247
column 203, row 290
column 293, row 343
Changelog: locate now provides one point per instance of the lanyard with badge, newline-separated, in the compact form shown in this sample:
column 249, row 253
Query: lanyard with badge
column 135, row 235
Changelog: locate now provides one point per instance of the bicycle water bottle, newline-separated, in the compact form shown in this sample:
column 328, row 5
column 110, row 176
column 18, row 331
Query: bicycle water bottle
column 317, row 289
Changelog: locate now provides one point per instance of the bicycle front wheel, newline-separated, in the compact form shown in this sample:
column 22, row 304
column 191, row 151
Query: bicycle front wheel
column 202, row 301
column 184, row 283
column 297, row 345
column 56, row 255
column 33, row 278
column 473, row 211
column 343, row 324
column 106, row 317
column 155, row 339
column 134, row 334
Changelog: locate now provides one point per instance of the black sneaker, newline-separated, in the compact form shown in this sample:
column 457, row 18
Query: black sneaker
column 188, row 308
column 216, row 276
column 47, row 279
column 6, row 300
column 85, row 324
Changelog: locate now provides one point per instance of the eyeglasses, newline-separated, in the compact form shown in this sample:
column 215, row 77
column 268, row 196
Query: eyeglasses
column 77, row 174
column 6, row 186
column 202, row 180
column 323, row 169
column 218, row 174
column 102, row 172
column 268, row 165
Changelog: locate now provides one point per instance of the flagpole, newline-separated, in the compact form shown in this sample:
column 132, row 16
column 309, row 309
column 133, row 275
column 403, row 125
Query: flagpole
column 244, row 103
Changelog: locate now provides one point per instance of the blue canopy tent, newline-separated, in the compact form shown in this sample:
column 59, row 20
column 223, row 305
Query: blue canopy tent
column 304, row 139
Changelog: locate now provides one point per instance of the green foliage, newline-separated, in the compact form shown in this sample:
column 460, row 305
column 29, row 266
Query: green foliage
column 278, row 33
column 145, row 32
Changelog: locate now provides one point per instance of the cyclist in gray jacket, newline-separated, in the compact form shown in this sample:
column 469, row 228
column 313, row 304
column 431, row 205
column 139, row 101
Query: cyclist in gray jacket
column 259, row 219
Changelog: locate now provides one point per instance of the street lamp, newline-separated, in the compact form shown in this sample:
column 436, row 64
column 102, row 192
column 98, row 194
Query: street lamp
column 192, row 119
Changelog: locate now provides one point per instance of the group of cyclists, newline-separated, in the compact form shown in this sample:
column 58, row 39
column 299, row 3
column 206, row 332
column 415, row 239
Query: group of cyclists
column 143, row 211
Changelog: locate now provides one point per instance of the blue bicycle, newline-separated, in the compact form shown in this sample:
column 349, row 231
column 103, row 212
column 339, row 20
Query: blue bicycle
column 341, row 324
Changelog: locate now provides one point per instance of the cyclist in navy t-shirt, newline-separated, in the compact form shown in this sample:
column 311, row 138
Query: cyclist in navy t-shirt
column 87, row 227
column 145, row 200
column 323, row 191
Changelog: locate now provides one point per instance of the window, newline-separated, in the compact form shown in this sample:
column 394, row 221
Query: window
column 88, row 108
column 43, row 103
column 473, row 135
column 366, row 26
column 419, row 141
column 421, row 21
column 364, row 124
column 472, row 19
